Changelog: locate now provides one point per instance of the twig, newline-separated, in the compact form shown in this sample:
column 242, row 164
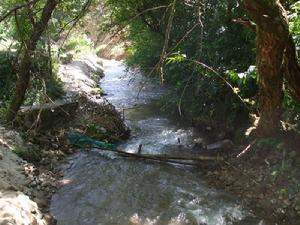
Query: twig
column 185, row 36
column 221, row 77
column 247, row 148
column 147, row 80
column 137, row 15
column 62, row 109
column 23, row 42
column 166, row 42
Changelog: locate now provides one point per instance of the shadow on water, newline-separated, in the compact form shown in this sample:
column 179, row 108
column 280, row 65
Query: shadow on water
column 100, row 188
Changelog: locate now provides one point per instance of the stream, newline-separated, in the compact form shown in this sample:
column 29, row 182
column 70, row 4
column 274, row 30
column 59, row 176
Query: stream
column 101, row 188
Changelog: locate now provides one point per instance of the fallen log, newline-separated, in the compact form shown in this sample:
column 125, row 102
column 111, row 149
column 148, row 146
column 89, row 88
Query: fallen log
column 184, row 160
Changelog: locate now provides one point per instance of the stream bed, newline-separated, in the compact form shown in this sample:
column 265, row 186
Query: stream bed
column 101, row 188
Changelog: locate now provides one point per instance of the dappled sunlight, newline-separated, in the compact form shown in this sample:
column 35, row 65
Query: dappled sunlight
column 6, row 144
column 135, row 219
column 65, row 182
column 157, row 134
column 181, row 219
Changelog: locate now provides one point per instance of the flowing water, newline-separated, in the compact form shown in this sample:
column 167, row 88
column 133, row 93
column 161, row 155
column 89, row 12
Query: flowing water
column 101, row 188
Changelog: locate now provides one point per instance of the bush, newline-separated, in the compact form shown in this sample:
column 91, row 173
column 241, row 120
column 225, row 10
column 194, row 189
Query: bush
column 291, row 112
column 203, row 97
column 44, row 79
column 42, row 75
column 144, row 51
column 30, row 155
column 7, row 77
column 76, row 45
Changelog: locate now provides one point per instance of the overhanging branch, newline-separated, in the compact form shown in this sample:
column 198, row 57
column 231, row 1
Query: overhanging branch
column 15, row 9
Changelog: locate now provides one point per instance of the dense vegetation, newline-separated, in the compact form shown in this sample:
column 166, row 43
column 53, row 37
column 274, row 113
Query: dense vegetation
column 32, row 34
column 206, row 51
column 209, row 58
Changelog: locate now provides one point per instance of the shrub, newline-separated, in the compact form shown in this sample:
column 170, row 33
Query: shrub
column 7, row 77
column 29, row 154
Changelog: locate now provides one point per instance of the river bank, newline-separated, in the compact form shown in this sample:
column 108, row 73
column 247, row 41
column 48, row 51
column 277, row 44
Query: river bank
column 27, row 186
column 265, row 174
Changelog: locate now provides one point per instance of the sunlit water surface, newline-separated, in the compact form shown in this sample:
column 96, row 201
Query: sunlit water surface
column 101, row 188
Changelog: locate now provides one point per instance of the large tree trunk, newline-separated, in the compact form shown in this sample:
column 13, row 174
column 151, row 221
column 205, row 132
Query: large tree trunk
column 269, row 60
column 292, row 68
column 272, row 36
column 26, row 60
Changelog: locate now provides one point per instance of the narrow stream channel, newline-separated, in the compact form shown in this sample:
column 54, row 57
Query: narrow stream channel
column 105, row 189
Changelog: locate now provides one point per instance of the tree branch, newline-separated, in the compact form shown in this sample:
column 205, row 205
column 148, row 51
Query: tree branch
column 16, row 8
column 246, row 23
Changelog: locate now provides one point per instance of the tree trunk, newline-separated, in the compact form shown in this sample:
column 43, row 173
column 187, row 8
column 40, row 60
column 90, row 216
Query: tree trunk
column 292, row 68
column 269, row 60
column 26, row 60
column 272, row 35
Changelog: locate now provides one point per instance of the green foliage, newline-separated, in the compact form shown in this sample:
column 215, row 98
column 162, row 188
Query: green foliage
column 15, row 32
column 291, row 106
column 283, row 166
column 203, row 96
column 295, row 22
column 7, row 77
column 292, row 110
column 44, row 80
column 201, row 31
column 220, row 44
column 269, row 143
column 176, row 57
column 44, row 83
column 245, row 83
column 145, row 48
column 76, row 45
column 225, row 46
column 31, row 154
